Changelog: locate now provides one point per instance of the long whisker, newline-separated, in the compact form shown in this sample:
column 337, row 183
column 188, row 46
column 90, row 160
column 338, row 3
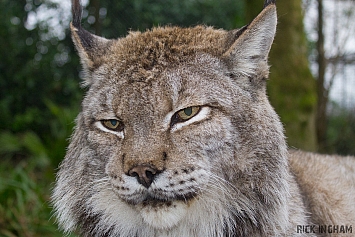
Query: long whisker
column 104, row 179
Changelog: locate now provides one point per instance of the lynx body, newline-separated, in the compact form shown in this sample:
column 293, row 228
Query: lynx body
column 177, row 138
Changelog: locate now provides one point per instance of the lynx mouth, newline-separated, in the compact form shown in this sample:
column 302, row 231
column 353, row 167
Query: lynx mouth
column 153, row 202
column 157, row 202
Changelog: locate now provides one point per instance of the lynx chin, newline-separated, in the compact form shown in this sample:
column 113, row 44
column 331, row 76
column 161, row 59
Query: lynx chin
column 177, row 138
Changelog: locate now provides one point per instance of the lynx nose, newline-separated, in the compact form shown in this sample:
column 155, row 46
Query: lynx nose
column 145, row 174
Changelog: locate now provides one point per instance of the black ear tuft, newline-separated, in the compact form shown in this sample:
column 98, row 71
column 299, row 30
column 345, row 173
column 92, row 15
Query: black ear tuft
column 268, row 2
column 77, row 11
column 87, row 40
column 91, row 48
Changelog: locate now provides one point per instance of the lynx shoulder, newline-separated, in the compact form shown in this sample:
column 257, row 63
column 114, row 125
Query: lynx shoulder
column 177, row 138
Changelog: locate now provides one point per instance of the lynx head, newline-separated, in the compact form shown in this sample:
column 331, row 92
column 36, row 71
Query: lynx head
column 176, row 136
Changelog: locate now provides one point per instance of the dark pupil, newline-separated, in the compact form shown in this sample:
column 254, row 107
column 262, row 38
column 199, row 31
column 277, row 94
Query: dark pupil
column 188, row 111
column 113, row 122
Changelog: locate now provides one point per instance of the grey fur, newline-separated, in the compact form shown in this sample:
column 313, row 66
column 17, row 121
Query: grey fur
column 224, row 172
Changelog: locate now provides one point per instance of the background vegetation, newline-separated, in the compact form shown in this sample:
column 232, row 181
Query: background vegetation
column 291, row 87
column 40, row 93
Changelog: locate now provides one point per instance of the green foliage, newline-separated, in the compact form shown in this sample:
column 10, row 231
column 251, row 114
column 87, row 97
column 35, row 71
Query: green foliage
column 26, row 170
column 33, row 70
column 23, row 196
column 341, row 130
column 118, row 17
column 17, row 145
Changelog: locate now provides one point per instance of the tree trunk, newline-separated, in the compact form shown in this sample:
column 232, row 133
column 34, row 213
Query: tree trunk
column 291, row 88
column 321, row 119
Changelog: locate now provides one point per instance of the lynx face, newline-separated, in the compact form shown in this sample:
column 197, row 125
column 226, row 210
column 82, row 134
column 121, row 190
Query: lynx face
column 176, row 136
column 172, row 133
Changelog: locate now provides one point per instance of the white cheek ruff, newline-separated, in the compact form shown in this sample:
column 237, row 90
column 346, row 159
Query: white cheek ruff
column 99, row 125
column 164, row 217
column 203, row 114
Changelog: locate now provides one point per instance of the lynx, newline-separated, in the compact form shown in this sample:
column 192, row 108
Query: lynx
column 177, row 138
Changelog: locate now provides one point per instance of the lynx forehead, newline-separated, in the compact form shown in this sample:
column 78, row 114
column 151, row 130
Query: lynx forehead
column 176, row 137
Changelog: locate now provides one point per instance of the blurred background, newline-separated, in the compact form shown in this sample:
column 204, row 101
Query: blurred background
column 312, row 82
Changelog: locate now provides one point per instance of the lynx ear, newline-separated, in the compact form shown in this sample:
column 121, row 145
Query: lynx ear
column 250, row 46
column 91, row 48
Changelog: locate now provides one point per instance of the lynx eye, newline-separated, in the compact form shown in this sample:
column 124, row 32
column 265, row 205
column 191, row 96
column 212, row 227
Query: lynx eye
column 113, row 124
column 188, row 113
column 185, row 114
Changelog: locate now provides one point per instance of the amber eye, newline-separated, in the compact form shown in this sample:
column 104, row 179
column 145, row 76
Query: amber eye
column 188, row 113
column 113, row 124
column 185, row 114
